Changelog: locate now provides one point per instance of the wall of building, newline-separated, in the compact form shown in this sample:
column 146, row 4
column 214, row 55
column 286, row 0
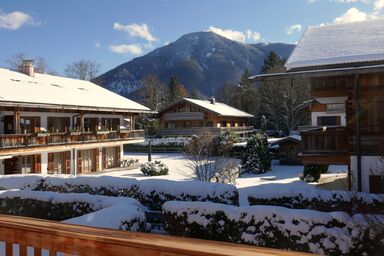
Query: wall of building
column 44, row 117
column 370, row 165
column 1, row 167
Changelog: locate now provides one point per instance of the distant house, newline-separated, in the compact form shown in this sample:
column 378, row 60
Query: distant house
column 344, row 64
column 57, row 125
column 287, row 149
column 190, row 116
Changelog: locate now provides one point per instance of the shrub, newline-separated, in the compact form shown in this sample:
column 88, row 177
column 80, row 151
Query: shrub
column 334, row 233
column 156, row 168
column 152, row 193
column 257, row 158
column 311, row 173
column 317, row 199
column 323, row 168
column 222, row 143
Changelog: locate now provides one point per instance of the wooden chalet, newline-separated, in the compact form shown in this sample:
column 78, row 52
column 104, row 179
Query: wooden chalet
column 345, row 66
column 190, row 116
column 51, row 124
column 287, row 149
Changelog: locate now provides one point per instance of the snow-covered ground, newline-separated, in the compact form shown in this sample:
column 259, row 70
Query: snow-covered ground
column 280, row 174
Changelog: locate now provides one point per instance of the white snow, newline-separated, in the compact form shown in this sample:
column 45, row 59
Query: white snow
column 45, row 89
column 338, row 44
column 165, row 141
column 219, row 108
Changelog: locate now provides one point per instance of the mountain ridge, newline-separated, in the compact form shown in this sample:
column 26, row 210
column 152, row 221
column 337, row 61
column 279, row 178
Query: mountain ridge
column 201, row 61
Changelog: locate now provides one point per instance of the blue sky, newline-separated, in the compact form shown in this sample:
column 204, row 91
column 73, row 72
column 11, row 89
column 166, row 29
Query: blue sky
column 115, row 31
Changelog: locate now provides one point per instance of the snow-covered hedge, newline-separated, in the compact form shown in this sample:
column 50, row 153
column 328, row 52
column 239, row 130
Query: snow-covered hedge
column 169, row 141
column 151, row 192
column 333, row 233
column 82, row 209
column 317, row 199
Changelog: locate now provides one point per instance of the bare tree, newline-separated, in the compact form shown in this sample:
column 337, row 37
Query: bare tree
column 154, row 93
column 205, row 165
column 82, row 69
column 40, row 64
column 279, row 100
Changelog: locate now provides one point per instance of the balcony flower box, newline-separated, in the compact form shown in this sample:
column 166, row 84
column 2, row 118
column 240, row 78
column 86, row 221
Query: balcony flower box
column 74, row 133
column 102, row 132
column 42, row 134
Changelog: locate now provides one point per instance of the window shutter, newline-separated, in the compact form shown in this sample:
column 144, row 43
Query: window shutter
column 104, row 158
column 37, row 161
column 79, row 162
column 117, row 156
column 50, row 163
column 67, row 160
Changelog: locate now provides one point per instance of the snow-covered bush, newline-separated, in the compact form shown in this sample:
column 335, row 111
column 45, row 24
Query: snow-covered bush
column 228, row 173
column 257, row 158
column 156, row 168
column 168, row 141
column 317, row 199
column 323, row 168
column 82, row 209
column 334, row 233
column 223, row 143
column 311, row 173
column 152, row 193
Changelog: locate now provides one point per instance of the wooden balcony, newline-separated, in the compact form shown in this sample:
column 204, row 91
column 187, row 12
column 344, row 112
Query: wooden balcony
column 183, row 116
column 189, row 131
column 12, row 141
column 37, row 235
column 325, row 145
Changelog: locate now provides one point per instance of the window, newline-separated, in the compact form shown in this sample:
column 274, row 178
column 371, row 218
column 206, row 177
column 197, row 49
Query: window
column 376, row 184
column 328, row 120
column 58, row 124
column 26, row 164
column 29, row 124
column 110, row 124
column 110, row 157
column 59, row 163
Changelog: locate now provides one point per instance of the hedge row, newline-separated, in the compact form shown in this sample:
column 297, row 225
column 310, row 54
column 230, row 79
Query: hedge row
column 82, row 209
column 317, row 199
column 334, row 233
column 152, row 193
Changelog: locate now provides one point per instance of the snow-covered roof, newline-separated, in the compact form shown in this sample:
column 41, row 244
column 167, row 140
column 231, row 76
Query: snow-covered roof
column 55, row 91
column 219, row 108
column 277, row 141
column 339, row 44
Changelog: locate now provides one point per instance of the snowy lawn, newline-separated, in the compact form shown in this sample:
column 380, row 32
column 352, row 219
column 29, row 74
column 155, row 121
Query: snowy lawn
column 280, row 174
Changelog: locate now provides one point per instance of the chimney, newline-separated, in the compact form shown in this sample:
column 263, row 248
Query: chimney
column 212, row 100
column 27, row 68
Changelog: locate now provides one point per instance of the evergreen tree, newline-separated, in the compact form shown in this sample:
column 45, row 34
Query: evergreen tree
column 176, row 90
column 257, row 158
column 271, row 62
column 244, row 81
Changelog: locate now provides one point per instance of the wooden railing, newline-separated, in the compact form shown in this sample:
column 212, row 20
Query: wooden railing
column 36, row 235
column 184, row 116
column 188, row 131
column 32, row 140
column 325, row 141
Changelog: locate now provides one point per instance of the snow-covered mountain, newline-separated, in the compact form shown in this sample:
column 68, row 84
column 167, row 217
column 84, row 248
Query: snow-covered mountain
column 201, row 60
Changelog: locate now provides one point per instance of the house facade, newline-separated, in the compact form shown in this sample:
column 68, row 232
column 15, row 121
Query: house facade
column 190, row 116
column 345, row 66
column 56, row 125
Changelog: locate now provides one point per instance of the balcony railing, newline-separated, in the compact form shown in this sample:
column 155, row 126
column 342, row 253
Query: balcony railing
column 74, row 137
column 321, row 141
column 188, row 131
column 54, row 237
column 183, row 116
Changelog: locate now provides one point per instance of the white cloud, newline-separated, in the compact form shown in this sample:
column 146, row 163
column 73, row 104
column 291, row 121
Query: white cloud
column 235, row 35
column 378, row 5
column 295, row 28
column 229, row 33
column 352, row 15
column 351, row 1
column 15, row 20
column 97, row 44
column 136, row 30
column 253, row 35
column 133, row 49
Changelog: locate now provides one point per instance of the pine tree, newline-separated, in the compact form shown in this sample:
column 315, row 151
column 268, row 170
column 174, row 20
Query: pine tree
column 271, row 62
column 176, row 90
